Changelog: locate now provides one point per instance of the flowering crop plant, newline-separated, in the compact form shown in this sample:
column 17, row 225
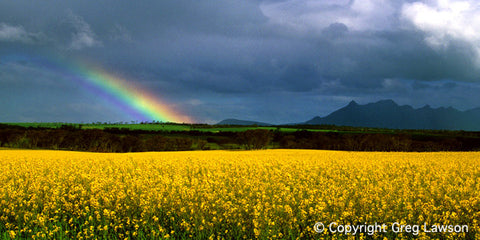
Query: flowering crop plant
column 265, row 194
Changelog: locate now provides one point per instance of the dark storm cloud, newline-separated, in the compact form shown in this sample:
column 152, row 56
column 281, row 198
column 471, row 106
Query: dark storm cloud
column 251, row 57
column 366, row 60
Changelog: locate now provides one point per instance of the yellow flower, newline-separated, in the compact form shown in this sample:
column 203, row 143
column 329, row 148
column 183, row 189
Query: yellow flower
column 222, row 194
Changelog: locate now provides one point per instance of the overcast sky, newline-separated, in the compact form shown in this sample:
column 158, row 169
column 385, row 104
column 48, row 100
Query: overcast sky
column 266, row 60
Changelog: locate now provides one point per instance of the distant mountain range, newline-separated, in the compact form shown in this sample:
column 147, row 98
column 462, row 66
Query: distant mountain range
column 388, row 114
column 232, row 121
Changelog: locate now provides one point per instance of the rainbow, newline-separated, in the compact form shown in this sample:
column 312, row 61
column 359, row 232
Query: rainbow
column 129, row 98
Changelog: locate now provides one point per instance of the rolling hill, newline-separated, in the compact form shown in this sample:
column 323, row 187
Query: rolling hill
column 232, row 121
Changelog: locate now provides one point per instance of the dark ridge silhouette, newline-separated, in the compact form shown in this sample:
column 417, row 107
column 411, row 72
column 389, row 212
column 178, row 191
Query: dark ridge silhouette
column 388, row 114
column 232, row 121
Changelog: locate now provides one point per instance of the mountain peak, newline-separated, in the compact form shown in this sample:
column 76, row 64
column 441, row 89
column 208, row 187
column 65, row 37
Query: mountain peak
column 352, row 103
column 387, row 102
column 426, row 107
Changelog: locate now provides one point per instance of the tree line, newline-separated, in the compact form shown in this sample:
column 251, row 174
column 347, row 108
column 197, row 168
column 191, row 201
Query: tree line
column 74, row 138
column 92, row 140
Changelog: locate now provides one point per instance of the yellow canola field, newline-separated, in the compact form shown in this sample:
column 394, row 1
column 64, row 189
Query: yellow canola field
column 268, row 194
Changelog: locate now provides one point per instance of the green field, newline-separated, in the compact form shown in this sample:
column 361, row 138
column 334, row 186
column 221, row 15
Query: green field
column 164, row 127
column 184, row 127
